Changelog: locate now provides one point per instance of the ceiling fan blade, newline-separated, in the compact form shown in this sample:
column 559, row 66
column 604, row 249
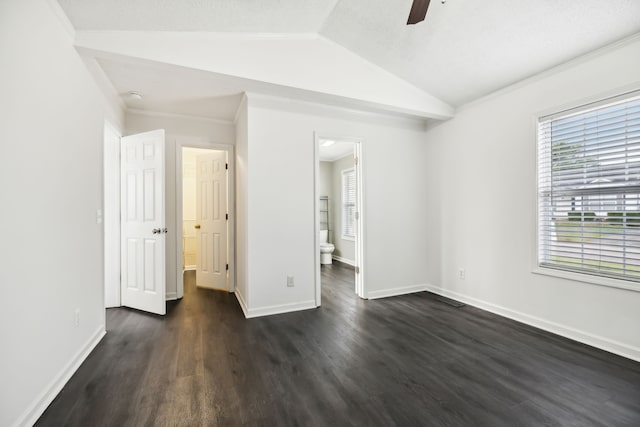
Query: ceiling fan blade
column 418, row 11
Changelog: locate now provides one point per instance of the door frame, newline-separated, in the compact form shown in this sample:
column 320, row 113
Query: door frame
column 182, row 142
column 360, row 283
column 111, row 213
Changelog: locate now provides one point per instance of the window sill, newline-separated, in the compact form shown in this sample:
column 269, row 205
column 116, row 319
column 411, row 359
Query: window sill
column 587, row 278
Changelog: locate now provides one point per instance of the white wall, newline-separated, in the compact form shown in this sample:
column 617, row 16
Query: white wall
column 51, row 127
column 325, row 186
column 345, row 248
column 242, row 206
column 281, row 227
column 178, row 129
column 222, row 132
column 481, row 192
column 189, row 184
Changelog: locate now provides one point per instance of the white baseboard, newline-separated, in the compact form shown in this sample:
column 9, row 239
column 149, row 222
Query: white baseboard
column 44, row 399
column 396, row 291
column 280, row 309
column 242, row 302
column 170, row 296
column 213, row 289
column 273, row 309
column 344, row 260
column 602, row 343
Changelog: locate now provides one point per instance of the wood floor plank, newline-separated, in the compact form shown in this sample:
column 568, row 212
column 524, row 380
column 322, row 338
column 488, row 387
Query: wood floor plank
column 407, row 360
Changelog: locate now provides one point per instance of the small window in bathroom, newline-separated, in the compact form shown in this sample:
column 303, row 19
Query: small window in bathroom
column 349, row 204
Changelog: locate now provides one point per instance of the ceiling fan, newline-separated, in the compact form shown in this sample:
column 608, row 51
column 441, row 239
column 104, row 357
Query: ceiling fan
column 419, row 11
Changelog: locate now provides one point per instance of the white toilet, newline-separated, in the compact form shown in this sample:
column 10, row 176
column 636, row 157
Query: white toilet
column 326, row 248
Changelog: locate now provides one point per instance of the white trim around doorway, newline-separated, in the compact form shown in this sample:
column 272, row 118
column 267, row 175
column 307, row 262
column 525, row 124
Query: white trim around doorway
column 111, row 214
column 360, row 288
column 183, row 142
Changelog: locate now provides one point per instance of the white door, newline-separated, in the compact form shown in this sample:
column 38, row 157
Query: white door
column 211, row 221
column 143, row 226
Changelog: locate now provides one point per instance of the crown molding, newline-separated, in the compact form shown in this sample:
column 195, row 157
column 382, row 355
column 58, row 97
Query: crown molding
column 208, row 35
column 103, row 80
column 243, row 103
column 62, row 17
column 573, row 62
column 151, row 113
column 336, row 109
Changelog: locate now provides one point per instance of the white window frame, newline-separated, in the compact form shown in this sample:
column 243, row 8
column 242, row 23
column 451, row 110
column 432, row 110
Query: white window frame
column 584, row 277
column 344, row 206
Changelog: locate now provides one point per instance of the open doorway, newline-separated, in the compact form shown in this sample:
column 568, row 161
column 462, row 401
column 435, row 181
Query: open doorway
column 339, row 219
column 203, row 201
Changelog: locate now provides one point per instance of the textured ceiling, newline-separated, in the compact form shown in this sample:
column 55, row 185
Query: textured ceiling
column 468, row 48
column 334, row 152
column 170, row 89
column 463, row 50
column 262, row 16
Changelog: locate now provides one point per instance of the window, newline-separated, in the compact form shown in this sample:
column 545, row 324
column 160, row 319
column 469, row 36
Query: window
column 349, row 204
column 589, row 189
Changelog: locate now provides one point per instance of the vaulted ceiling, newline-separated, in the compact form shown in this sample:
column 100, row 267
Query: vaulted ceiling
column 174, row 90
column 463, row 50
column 468, row 48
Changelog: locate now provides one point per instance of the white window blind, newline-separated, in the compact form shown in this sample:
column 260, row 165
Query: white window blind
column 349, row 203
column 589, row 189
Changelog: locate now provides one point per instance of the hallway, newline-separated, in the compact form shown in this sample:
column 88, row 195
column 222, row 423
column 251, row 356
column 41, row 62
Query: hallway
column 408, row 360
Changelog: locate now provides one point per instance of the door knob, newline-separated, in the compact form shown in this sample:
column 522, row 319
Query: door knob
column 156, row 231
column 197, row 226
column 165, row 231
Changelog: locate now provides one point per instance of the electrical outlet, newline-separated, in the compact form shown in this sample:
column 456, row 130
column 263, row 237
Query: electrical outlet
column 77, row 317
column 461, row 274
column 290, row 281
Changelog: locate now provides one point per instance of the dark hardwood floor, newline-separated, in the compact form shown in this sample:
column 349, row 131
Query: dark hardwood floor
column 404, row 361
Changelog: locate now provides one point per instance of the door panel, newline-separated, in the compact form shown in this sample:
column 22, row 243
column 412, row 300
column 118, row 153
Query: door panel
column 143, row 216
column 211, row 210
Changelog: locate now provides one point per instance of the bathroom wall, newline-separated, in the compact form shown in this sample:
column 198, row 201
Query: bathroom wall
column 345, row 248
column 325, row 190
column 330, row 185
column 325, row 187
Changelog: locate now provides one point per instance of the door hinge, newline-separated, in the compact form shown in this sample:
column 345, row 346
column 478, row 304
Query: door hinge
column 357, row 270
column 357, row 215
column 227, row 218
column 226, row 165
column 355, row 160
column 227, row 266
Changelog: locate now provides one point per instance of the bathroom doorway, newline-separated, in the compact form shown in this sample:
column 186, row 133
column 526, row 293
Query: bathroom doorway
column 204, row 215
column 339, row 215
